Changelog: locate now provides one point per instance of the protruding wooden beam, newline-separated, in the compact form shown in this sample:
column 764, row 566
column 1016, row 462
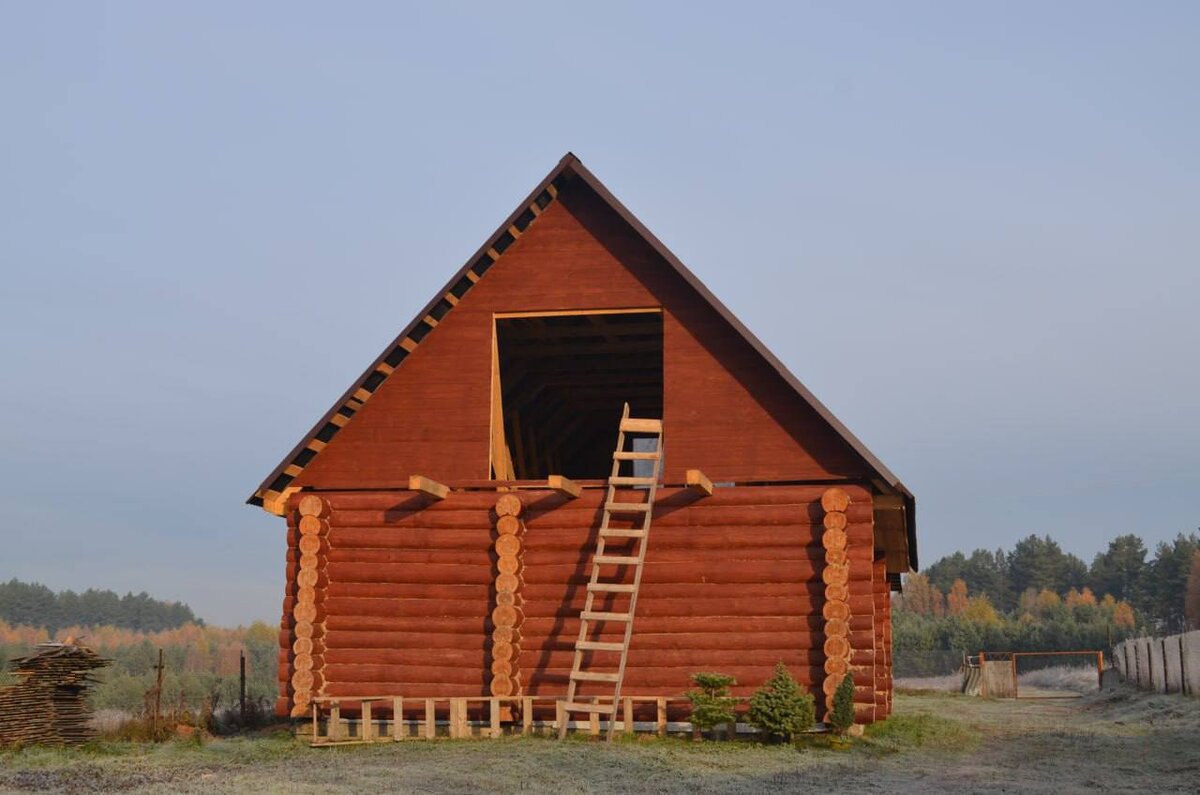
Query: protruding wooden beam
column 430, row 488
column 696, row 481
column 565, row 486
column 277, row 503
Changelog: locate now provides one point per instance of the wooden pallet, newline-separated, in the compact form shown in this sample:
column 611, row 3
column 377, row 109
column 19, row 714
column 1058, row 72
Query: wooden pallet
column 593, row 651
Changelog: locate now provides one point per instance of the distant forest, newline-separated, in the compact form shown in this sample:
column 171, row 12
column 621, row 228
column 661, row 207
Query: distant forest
column 1156, row 587
column 34, row 605
column 1039, row 598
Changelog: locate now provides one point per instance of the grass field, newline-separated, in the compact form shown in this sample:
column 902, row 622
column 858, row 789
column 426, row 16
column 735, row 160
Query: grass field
column 1115, row 741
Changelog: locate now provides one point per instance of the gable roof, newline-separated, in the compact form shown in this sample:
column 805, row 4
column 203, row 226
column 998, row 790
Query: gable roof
column 272, row 489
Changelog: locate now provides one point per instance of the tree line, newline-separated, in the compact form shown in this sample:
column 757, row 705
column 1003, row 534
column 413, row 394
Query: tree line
column 201, row 663
column 1162, row 589
column 35, row 605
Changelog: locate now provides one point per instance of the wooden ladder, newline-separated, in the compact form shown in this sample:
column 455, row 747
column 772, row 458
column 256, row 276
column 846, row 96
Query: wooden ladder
column 590, row 617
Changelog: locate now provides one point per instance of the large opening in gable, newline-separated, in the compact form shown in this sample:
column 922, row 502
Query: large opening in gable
column 560, row 382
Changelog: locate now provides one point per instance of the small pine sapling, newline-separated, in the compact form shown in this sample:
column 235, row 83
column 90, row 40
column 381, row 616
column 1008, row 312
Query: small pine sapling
column 781, row 708
column 841, row 717
column 711, row 703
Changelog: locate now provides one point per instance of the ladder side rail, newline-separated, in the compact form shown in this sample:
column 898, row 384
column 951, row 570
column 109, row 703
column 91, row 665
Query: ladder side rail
column 637, row 582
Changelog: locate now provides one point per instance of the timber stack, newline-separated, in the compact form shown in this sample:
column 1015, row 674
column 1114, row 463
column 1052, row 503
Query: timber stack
column 48, row 705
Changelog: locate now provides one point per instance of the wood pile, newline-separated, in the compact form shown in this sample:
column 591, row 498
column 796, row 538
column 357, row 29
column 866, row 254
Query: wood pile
column 48, row 706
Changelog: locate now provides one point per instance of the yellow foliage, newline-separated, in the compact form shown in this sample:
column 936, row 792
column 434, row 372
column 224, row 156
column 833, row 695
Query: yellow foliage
column 1047, row 600
column 979, row 610
column 1123, row 615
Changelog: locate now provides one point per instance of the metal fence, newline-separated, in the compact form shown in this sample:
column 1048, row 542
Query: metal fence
column 908, row 664
column 1162, row 665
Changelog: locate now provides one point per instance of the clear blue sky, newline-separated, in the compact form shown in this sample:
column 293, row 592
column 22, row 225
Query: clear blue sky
column 973, row 231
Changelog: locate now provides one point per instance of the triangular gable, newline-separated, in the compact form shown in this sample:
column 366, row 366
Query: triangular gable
column 273, row 492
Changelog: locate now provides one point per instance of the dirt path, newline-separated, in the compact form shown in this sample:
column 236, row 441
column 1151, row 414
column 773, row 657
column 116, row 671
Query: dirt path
column 1118, row 741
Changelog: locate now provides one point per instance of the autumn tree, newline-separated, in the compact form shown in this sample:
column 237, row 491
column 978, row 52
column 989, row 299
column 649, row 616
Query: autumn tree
column 1191, row 606
column 956, row 599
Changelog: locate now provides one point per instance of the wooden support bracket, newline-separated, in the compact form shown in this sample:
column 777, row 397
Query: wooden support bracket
column 697, row 482
column 278, row 504
column 430, row 488
column 565, row 486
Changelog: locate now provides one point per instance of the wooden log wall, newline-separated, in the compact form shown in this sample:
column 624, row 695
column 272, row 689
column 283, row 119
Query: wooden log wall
column 308, row 579
column 507, row 613
column 836, row 576
column 882, row 595
column 412, row 604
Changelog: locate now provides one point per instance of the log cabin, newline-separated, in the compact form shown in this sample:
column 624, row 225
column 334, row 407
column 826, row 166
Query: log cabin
column 460, row 522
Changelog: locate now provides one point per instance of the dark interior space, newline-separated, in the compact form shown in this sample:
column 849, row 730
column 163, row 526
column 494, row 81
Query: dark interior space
column 564, row 380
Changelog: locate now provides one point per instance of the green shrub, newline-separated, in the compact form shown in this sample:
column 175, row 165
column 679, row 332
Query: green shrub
column 781, row 708
column 841, row 717
column 711, row 704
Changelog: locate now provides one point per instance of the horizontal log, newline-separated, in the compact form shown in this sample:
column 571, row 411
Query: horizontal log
column 712, row 570
column 735, row 552
column 474, row 660
column 573, row 518
column 695, row 659
column 698, row 603
column 455, row 556
column 477, row 593
column 482, row 573
column 533, row 498
column 356, row 606
column 419, row 623
column 581, row 540
column 559, row 591
column 430, row 671
column 721, row 639
column 724, row 625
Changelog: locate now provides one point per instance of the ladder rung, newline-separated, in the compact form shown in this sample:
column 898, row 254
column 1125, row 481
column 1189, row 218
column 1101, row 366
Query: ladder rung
column 629, row 455
column 615, row 560
column 628, row 507
column 591, row 615
column 588, row 676
column 617, row 532
column 630, row 424
column 624, row 480
column 611, row 587
column 603, row 709
column 598, row 645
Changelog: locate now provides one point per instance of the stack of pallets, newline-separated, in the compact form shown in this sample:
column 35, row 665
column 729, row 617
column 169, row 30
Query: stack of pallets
column 48, row 705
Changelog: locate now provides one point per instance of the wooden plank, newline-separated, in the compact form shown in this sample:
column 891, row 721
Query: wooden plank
column 611, row 587
column 494, row 712
column 628, row 715
column 527, row 715
column 430, row 719
column 648, row 310
column 428, row 487
column 634, row 425
column 397, row 718
column 628, row 507
column 661, row 719
column 334, row 732
column 565, row 486
column 697, row 482
column 368, row 730
column 628, row 480
column 592, row 708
